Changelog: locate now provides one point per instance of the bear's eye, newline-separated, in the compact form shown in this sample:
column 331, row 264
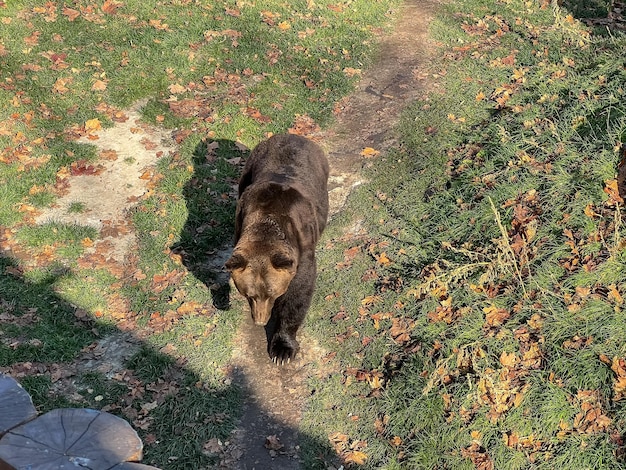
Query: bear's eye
column 236, row 261
column 281, row 261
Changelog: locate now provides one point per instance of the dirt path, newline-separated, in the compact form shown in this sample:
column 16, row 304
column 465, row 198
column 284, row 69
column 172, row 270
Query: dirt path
column 267, row 438
column 277, row 396
column 369, row 116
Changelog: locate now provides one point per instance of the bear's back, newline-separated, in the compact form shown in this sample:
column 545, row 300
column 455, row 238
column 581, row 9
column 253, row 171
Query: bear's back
column 293, row 162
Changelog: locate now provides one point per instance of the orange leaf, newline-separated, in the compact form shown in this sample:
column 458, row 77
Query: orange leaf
column 508, row 359
column 176, row 88
column 383, row 259
column 60, row 86
column 110, row 6
column 87, row 242
column 614, row 294
column 351, row 72
column 495, row 316
column 511, row 439
column 371, row 299
column 99, row 85
column 71, row 13
column 33, row 39
column 611, row 188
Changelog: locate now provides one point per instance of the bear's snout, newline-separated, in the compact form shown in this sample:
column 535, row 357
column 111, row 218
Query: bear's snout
column 261, row 310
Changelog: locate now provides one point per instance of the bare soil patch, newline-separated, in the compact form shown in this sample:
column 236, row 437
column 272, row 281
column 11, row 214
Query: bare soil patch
column 106, row 192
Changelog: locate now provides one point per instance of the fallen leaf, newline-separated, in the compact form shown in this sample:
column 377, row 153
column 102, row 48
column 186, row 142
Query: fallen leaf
column 110, row 6
column 176, row 89
column 356, row 457
column 303, row 125
column 273, row 443
column 70, row 13
column 60, row 86
column 93, row 125
column 611, row 188
column 495, row 316
column 99, row 85
column 351, row 72
column 33, row 39
column 212, row 446
column 508, row 359
column 369, row 152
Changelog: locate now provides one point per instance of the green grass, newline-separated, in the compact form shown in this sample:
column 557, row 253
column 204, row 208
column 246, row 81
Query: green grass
column 495, row 204
column 487, row 330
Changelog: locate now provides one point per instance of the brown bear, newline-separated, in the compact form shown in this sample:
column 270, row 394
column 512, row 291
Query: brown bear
column 281, row 213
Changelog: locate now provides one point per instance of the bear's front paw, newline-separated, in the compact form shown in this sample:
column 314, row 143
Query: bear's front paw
column 282, row 350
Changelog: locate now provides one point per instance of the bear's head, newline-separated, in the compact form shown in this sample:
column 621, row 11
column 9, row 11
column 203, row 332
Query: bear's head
column 262, row 274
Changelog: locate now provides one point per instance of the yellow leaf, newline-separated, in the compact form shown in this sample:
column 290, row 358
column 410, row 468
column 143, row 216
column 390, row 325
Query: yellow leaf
column 508, row 359
column 87, row 242
column 60, row 86
column 357, row 457
column 369, row 152
column 375, row 382
column 284, row 25
column 511, row 439
column 371, row 299
column 383, row 259
column 93, row 125
column 614, row 294
column 36, row 189
column 531, row 230
column 480, row 96
column 350, row 72
column 589, row 212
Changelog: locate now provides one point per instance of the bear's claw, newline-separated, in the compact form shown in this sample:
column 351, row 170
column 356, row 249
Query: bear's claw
column 282, row 362
column 283, row 350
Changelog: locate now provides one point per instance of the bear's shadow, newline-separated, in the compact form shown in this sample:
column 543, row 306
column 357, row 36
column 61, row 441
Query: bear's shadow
column 206, row 240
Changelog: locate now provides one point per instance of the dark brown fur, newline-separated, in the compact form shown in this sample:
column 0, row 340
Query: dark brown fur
column 281, row 213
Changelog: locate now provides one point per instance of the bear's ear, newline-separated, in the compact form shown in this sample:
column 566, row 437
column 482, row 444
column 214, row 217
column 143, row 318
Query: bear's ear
column 282, row 260
column 236, row 261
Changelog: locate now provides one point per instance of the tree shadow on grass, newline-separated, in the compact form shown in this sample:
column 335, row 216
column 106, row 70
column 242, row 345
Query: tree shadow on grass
column 60, row 356
column 211, row 197
column 603, row 16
